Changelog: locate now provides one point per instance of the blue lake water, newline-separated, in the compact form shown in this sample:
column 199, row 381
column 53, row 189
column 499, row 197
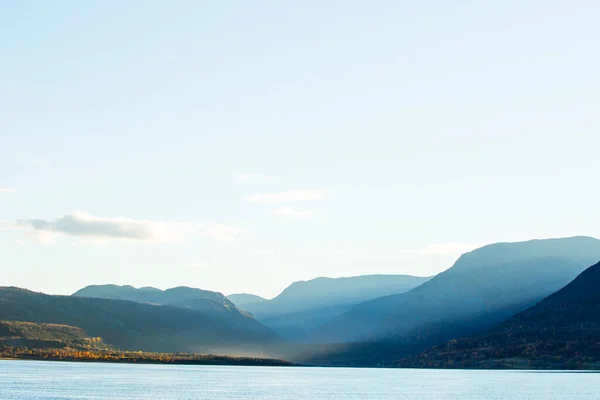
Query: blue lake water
column 27, row 380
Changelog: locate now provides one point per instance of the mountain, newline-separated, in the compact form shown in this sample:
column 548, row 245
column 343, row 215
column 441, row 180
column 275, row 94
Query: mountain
column 46, row 342
column 483, row 288
column 326, row 292
column 305, row 306
column 140, row 326
column 246, row 301
column 197, row 299
column 560, row 332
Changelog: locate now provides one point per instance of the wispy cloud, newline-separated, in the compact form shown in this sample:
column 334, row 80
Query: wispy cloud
column 266, row 253
column 249, row 177
column 288, row 196
column 87, row 225
column 221, row 233
column 84, row 225
column 291, row 213
column 7, row 190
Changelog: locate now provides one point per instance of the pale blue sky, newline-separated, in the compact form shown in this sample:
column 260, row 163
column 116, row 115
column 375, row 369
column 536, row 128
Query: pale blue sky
column 242, row 145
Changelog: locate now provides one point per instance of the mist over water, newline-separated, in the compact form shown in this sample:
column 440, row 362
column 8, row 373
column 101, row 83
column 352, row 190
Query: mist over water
column 34, row 380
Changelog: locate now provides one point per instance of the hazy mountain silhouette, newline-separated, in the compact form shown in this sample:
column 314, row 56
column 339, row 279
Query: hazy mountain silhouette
column 139, row 326
column 246, row 301
column 562, row 331
column 306, row 305
column 483, row 288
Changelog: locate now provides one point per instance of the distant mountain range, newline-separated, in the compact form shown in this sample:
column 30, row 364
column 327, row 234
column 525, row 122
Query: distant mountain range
column 372, row 320
column 561, row 332
column 141, row 326
column 483, row 288
column 306, row 305
column 246, row 301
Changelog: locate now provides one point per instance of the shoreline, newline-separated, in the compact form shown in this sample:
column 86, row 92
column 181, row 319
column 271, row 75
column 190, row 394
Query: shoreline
column 281, row 363
column 240, row 363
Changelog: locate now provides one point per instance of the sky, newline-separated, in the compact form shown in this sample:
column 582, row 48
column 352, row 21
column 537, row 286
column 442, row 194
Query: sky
column 240, row 146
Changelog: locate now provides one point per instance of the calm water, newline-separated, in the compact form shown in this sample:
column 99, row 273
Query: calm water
column 25, row 380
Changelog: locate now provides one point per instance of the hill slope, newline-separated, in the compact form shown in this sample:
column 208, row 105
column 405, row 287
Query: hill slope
column 562, row 331
column 31, row 330
column 483, row 288
column 40, row 336
column 137, row 326
column 306, row 305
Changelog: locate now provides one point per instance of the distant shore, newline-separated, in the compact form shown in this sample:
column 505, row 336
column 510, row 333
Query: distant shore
column 138, row 358
column 266, row 363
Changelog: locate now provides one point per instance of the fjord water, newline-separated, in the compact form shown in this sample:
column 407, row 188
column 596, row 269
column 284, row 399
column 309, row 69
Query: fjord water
column 29, row 380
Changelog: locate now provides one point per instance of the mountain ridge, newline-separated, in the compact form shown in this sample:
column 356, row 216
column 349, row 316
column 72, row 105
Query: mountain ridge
column 132, row 325
column 560, row 332
column 466, row 299
column 305, row 305
column 179, row 296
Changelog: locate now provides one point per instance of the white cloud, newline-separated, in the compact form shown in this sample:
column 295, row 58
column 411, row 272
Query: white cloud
column 7, row 190
column 95, row 228
column 221, row 233
column 291, row 213
column 89, row 226
column 266, row 253
column 289, row 196
column 444, row 248
column 249, row 177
